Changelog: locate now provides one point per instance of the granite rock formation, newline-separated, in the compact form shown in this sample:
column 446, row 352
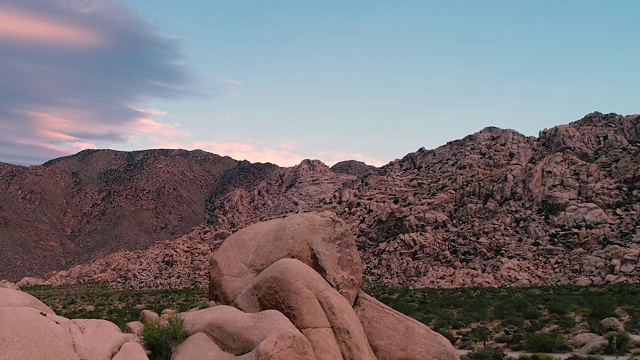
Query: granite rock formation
column 495, row 208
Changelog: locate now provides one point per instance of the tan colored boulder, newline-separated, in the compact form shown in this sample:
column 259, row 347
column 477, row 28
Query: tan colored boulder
column 133, row 327
column 313, row 306
column 27, row 334
column 264, row 335
column 393, row 335
column 16, row 298
column 95, row 339
column 131, row 351
column 149, row 316
column 582, row 339
column 322, row 241
column 610, row 324
column 200, row 347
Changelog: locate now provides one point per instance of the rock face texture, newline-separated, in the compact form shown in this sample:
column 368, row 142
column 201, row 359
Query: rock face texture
column 306, row 267
column 323, row 242
column 495, row 208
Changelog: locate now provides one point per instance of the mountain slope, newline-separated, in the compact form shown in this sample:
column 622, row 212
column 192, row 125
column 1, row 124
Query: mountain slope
column 74, row 209
column 494, row 208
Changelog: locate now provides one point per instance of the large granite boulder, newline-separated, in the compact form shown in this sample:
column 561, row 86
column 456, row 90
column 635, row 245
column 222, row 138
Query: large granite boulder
column 27, row 334
column 321, row 241
column 313, row 306
column 264, row 335
column 29, row 330
column 16, row 298
column 306, row 267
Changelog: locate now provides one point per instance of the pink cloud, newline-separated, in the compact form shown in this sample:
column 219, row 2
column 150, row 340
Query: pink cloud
column 24, row 26
column 244, row 151
column 150, row 126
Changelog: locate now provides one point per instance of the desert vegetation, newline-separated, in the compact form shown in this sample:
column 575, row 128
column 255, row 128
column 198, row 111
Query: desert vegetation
column 98, row 301
column 536, row 319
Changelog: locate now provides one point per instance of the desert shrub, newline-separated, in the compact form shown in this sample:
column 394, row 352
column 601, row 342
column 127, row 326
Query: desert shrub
column 619, row 343
column 486, row 353
column 480, row 334
column 159, row 339
column 514, row 321
column 546, row 342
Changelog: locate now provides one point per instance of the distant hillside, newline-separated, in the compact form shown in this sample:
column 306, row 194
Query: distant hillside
column 494, row 208
column 76, row 208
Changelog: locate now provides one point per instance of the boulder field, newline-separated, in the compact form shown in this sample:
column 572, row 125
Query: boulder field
column 286, row 288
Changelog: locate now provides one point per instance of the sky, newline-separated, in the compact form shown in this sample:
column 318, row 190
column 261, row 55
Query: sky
column 280, row 81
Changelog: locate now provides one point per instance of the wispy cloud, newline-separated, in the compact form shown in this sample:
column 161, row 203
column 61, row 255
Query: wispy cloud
column 78, row 73
column 281, row 156
column 231, row 82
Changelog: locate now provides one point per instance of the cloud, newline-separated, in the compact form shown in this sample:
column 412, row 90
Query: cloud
column 282, row 156
column 231, row 82
column 78, row 73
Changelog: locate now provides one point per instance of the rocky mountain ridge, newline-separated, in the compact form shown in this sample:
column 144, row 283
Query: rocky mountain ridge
column 495, row 208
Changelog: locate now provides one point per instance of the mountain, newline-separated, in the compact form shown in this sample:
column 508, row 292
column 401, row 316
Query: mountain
column 77, row 208
column 495, row 208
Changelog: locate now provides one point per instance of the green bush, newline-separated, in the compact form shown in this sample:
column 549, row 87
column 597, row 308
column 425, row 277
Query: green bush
column 619, row 343
column 159, row 339
column 546, row 342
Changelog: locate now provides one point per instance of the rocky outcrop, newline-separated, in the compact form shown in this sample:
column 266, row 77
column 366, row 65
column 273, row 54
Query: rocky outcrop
column 29, row 330
column 495, row 208
column 322, row 241
column 10, row 298
column 306, row 267
column 169, row 264
column 229, row 332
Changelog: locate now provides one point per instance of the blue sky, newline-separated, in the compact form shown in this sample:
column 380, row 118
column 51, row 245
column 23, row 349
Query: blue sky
column 281, row 81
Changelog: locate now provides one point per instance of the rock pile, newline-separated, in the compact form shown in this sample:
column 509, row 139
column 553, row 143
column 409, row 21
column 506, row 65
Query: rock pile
column 30, row 330
column 495, row 208
column 307, row 267
column 289, row 289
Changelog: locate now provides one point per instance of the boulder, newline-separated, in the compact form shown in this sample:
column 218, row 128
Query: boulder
column 264, row 335
column 592, row 346
column 133, row 327
column 313, row 306
column 131, row 351
column 95, row 339
column 393, row 335
column 15, row 298
column 200, row 347
column 148, row 316
column 31, row 334
column 322, row 241
column 610, row 324
column 582, row 339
